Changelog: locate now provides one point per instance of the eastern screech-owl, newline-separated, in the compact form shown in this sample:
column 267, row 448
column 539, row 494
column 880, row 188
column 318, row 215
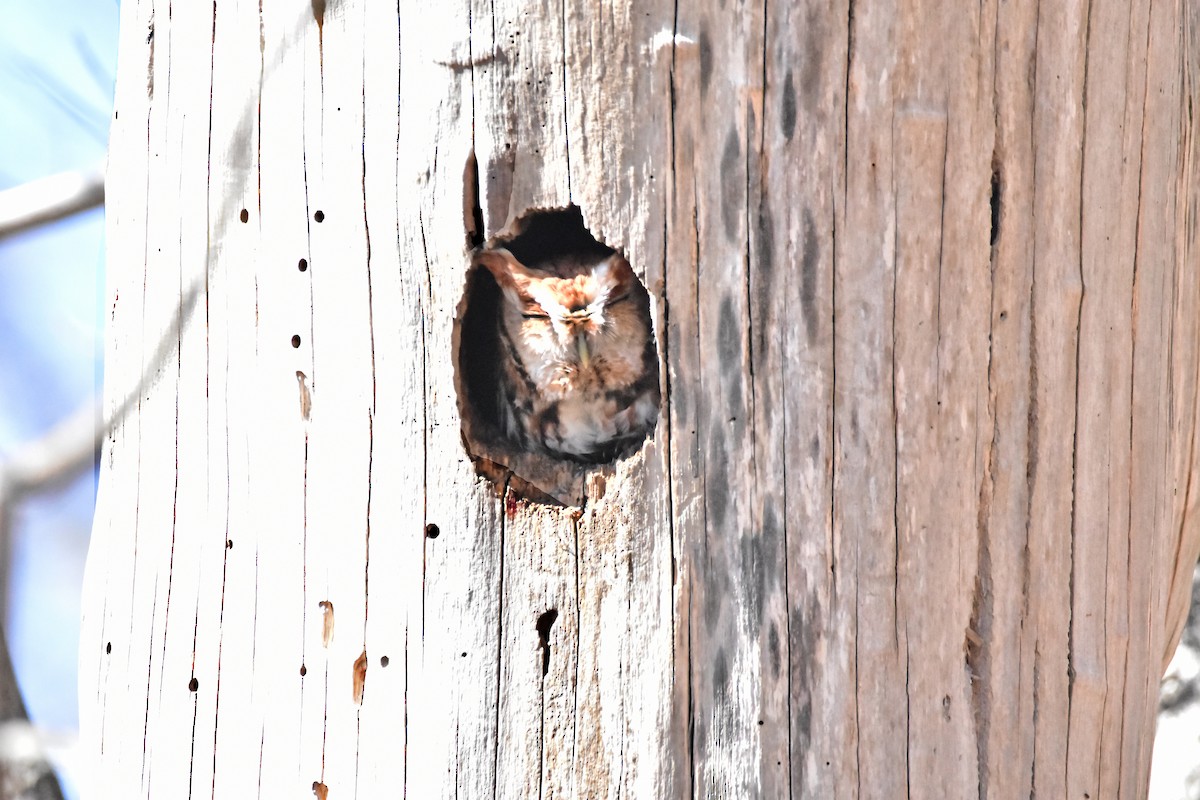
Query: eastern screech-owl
column 579, row 377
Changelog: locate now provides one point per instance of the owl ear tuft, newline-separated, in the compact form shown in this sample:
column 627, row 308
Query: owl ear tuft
column 617, row 272
column 511, row 275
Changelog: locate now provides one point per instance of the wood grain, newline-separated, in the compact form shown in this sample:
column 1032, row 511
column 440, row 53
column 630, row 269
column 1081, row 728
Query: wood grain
column 920, row 510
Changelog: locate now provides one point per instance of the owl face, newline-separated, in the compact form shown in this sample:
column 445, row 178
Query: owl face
column 578, row 329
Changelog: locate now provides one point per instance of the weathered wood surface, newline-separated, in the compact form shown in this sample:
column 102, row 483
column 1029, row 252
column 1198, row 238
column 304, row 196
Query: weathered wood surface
column 920, row 512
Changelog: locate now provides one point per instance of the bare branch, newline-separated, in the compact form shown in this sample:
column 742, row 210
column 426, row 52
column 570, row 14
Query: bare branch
column 49, row 199
column 70, row 446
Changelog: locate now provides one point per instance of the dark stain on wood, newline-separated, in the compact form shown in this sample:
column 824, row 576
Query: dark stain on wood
column 810, row 257
column 731, row 178
column 773, row 652
column 787, row 115
column 810, row 60
column 754, row 580
column 714, row 590
column 720, row 676
column 717, row 473
column 729, row 351
column 680, row 396
column 705, row 47
column 765, row 250
column 802, row 644
column 764, row 317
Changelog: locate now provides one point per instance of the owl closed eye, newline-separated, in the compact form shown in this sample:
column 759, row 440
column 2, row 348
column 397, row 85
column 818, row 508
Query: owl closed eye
column 579, row 378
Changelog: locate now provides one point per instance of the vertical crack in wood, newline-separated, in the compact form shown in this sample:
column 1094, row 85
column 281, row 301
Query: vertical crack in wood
column 1147, row 632
column 208, row 261
column 424, row 425
column 426, row 301
column 224, row 561
column 193, row 686
column 374, row 374
column 976, row 656
column 545, row 622
column 149, row 678
column 937, row 352
column 407, row 730
column 262, row 746
column 748, row 377
column 1078, row 352
column 908, row 737
column 325, row 717
column 846, row 94
column 578, row 646
column 150, row 59
column 995, row 201
column 262, row 70
column 895, row 418
column 858, row 759
column 691, row 711
column 668, row 430
column 566, row 107
column 472, row 211
column 978, row 659
column 367, row 526
column 1037, row 680
column 503, row 515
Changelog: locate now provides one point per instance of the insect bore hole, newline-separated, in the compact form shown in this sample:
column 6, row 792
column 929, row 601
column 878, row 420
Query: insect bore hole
column 545, row 622
column 432, row 531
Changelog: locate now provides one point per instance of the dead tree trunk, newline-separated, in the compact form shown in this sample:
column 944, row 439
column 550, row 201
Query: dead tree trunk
column 918, row 515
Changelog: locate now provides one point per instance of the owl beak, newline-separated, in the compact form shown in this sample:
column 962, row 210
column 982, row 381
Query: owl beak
column 582, row 346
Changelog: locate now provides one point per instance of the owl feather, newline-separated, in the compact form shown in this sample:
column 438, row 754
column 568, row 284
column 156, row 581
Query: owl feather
column 580, row 373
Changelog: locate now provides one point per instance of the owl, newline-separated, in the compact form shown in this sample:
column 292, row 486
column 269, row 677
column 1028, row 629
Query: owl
column 579, row 378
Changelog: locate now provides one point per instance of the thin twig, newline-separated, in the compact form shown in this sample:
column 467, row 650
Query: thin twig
column 49, row 199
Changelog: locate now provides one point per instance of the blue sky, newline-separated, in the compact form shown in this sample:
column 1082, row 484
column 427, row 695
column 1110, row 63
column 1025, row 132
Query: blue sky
column 57, row 69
